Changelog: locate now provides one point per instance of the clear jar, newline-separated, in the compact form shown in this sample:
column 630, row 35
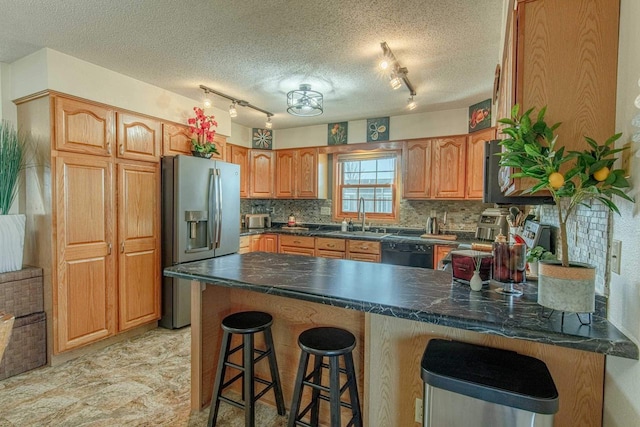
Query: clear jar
column 509, row 262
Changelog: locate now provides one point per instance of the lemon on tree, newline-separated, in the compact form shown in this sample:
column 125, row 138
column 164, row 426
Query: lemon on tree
column 601, row 174
column 556, row 180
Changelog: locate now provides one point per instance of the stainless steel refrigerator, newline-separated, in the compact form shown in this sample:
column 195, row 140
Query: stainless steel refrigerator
column 200, row 220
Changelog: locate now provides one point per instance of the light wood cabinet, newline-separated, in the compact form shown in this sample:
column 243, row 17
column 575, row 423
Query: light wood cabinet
column 361, row 250
column 416, row 183
column 269, row 243
column 301, row 174
column 139, row 138
column 571, row 69
column 176, row 139
column 439, row 253
column 331, row 248
column 82, row 127
column 449, row 167
column 240, row 156
column 138, row 235
column 297, row 245
column 261, row 173
column 245, row 244
column 221, row 145
column 84, row 296
column 254, row 245
column 475, row 162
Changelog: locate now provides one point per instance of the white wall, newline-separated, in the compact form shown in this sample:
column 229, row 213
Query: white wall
column 8, row 110
column 439, row 123
column 49, row 69
column 622, row 382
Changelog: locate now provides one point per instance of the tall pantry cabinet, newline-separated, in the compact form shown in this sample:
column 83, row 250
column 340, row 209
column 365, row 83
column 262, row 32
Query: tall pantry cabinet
column 102, row 213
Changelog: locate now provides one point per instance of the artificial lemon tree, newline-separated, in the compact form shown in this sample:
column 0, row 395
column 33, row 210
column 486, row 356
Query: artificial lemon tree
column 531, row 147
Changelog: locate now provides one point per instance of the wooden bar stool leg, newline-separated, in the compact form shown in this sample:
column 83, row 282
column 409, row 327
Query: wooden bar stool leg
column 249, row 389
column 315, row 394
column 275, row 376
column 220, row 373
column 353, row 390
column 334, row 391
column 297, row 390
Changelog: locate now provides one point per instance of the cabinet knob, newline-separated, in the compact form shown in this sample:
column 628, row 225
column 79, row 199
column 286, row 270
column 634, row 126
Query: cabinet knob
column 122, row 247
column 331, row 245
column 108, row 248
column 108, row 148
column 121, row 149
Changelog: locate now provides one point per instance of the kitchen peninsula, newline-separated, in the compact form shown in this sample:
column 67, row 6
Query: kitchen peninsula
column 393, row 311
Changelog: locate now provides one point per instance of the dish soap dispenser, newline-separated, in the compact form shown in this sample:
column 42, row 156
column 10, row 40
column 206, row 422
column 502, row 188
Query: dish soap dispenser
column 291, row 222
column 344, row 225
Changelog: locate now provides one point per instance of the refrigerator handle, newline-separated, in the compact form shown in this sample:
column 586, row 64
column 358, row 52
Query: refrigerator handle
column 219, row 216
column 211, row 227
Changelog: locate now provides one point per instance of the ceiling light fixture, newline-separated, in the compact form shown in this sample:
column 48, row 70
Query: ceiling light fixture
column 207, row 102
column 304, row 102
column 411, row 104
column 235, row 101
column 268, row 124
column 398, row 73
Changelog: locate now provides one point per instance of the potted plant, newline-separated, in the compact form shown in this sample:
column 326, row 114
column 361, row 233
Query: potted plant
column 531, row 146
column 536, row 254
column 12, row 161
column 202, row 129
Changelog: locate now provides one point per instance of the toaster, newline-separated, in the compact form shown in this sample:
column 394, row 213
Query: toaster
column 257, row 221
column 463, row 265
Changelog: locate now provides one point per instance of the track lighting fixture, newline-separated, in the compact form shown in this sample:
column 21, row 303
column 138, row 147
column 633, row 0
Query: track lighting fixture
column 268, row 124
column 397, row 74
column 233, row 112
column 207, row 102
column 411, row 104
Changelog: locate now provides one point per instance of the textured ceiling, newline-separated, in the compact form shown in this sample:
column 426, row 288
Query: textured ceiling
column 258, row 50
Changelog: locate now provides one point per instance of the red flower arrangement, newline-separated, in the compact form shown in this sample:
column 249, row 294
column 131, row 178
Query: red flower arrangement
column 202, row 129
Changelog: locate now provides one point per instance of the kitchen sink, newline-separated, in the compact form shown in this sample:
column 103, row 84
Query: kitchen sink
column 360, row 233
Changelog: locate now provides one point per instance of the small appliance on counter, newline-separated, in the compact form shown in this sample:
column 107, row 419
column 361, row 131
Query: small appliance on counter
column 257, row 220
column 492, row 222
column 463, row 265
column 536, row 234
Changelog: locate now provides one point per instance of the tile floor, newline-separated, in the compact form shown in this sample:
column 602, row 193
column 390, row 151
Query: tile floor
column 139, row 382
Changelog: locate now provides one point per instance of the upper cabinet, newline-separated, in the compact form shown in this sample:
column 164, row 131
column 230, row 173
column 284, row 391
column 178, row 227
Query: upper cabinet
column 449, row 167
column 475, row 162
column 261, row 173
column 240, row 156
column 176, row 139
column 569, row 68
column 416, row 181
column 301, row 174
column 82, row 127
column 139, row 137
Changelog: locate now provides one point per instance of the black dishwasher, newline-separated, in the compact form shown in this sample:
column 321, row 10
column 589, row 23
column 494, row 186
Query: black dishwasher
column 409, row 254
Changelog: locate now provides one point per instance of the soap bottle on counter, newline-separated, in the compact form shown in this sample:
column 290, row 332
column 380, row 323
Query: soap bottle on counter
column 344, row 226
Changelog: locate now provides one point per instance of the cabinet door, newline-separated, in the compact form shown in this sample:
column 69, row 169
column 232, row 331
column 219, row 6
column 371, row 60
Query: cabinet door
column 138, row 138
column 269, row 243
column 475, row 162
column 254, row 245
column 245, row 244
column 139, row 244
column 307, row 173
column 449, row 176
column 439, row 252
column 83, row 128
column 240, row 156
column 286, row 173
column 84, row 291
column 221, row 143
column 176, row 139
column 261, row 173
column 416, row 157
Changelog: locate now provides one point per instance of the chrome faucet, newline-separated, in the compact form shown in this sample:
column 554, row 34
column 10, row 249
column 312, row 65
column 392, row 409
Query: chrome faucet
column 364, row 215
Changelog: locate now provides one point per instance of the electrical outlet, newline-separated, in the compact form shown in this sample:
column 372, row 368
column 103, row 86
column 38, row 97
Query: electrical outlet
column 616, row 246
column 325, row 210
column 418, row 406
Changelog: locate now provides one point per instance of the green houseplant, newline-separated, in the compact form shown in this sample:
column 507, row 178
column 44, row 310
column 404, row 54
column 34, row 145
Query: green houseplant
column 573, row 178
column 12, row 162
column 535, row 255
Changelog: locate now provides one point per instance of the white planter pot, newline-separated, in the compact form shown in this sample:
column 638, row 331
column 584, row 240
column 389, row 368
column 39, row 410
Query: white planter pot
column 12, row 242
column 571, row 289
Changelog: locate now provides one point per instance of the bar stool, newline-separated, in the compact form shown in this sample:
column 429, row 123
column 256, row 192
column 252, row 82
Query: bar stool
column 247, row 324
column 331, row 343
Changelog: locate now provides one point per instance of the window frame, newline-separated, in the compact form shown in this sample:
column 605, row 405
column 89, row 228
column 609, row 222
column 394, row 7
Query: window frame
column 396, row 191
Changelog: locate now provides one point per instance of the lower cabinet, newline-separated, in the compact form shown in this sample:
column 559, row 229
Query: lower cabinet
column 361, row 250
column 245, row 244
column 331, row 248
column 439, row 253
column 297, row 245
column 269, row 243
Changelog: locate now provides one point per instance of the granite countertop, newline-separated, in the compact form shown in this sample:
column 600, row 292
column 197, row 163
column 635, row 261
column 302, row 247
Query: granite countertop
column 412, row 293
column 396, row 235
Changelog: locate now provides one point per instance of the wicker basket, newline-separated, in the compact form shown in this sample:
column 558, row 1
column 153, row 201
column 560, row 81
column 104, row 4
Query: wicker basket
column 27, row 348
column 6, row 326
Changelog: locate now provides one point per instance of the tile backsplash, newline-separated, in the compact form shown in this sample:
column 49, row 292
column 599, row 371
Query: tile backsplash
column 461, row 215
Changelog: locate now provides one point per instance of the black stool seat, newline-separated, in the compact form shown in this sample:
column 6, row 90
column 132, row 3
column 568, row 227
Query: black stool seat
column 331, row 343
column 327, row 341
column 247, row 324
